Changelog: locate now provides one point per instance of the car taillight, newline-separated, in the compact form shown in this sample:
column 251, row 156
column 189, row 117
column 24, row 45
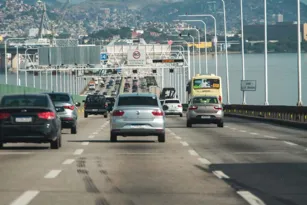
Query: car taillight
column 4, row 115
column 157, row 113
column 46, row 115
column 84, row 105
column 70, row 107
column 193, row 107
column 218, row 108
column 179, row 105
column 106, row 105
column 118, row 113
column 220, row 98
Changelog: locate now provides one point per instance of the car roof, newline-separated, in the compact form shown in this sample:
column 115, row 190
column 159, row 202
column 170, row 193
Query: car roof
column 137, row 94
column 61, row 93
column 201, row 96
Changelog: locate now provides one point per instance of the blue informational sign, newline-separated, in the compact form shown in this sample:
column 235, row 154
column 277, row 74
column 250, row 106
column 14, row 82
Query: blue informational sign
column 118, row 70
column 103, row 56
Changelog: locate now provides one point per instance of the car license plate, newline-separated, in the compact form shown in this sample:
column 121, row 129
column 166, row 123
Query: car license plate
column 205, row 117
column 94, row 109
column 23, row 119
column 137, row 126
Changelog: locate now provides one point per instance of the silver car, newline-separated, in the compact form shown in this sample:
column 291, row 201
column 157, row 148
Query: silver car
column 137, row 114
column 69, row 110
column 205, row 110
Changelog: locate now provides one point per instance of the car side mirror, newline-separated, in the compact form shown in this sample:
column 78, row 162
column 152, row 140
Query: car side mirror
column 78, row 104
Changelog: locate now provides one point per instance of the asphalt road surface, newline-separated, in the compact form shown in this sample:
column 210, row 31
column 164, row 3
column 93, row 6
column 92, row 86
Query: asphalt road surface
column 244, row 163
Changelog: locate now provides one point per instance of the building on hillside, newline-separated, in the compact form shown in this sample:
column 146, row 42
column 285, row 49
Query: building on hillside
column 279, row 32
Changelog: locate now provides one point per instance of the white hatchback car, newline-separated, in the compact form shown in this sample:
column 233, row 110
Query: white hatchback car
column 172, row 107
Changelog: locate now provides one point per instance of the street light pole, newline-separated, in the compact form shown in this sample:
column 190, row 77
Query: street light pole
column 193, row 52
column 299, row 61
column 266, row 102
column 215, row 37
column 226, row 52
column 5, row 55
column 242, row 42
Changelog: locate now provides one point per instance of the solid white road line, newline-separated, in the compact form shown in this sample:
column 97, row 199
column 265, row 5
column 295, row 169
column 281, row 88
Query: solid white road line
column 68, row 161
column 78, row 151
column 14, row 153
column 91, row 136
column 220, row 174
column 254, row 133
column 84, row 143
column 204, row 161
column 193, row 153
column 25, row 198
column 290, row 143
column 250, row 198
column 177, row 137
column 52, row 174
column 184, row 143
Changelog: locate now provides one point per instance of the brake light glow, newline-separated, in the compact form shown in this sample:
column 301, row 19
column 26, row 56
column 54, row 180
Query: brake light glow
column 118, row 113
column 4, row 115
column 193, row 107
column 46, row 115
column 220, row 98
column 179, row 105
column 218, row 108
column 157, row 113
column 106, row 105
column 70, row 107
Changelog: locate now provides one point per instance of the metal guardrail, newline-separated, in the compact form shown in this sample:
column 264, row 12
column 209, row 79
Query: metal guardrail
column 285, row 115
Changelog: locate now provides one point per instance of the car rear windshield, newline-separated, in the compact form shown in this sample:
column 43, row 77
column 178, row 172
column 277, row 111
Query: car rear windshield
column 138, row 100
column 59, row 97
column 110, row 100
column 95, row 99
column 205, row 100
column 24, row 101
column 172, row 101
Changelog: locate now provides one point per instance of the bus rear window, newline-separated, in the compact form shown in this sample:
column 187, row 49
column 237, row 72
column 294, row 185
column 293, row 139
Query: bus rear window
column 206, row 84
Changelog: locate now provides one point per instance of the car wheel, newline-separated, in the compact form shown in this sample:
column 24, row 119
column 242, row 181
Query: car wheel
column 105, row 115
column 161, row 138
column 189, row 124
column 85, row 115
column 55, row 144
column 60, row 141
column 73, row 130
column 113, row 137
column 1, row 145
column 181, row 115
column 220, row 124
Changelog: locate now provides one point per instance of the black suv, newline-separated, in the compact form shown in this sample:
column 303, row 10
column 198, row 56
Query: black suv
column 95, row 105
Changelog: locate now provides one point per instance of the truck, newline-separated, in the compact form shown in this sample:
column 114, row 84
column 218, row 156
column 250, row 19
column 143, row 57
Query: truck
column 155, row 90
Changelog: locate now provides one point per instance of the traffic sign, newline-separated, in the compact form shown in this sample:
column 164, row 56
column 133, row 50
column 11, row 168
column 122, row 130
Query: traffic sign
column 103, row 56
column 248, row 85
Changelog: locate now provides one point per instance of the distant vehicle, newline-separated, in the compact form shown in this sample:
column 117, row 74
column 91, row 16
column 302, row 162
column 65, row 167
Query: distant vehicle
column 126, row 89
column 110, row 101
column 201, row 85
column 205, row 110
column 95, row 105
column 69, row 113
column 29, row 118
column 137, row 115
column 105, row 93
column 172, row 107
column 92, row 87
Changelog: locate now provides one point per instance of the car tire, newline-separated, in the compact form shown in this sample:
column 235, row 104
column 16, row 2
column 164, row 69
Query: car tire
column 161, row 138
column 220, row 124
column 1, row 145
column 181, row 115
column 189, row 124
column 113, row 137
column 73, row 130
column 105, row 115
column 55, row 144
column 85, row 115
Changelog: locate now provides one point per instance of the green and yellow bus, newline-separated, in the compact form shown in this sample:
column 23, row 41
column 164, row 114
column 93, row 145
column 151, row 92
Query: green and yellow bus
column 202, row 85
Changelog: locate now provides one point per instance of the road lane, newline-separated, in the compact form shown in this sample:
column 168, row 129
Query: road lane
column 271, row 169
column 132, row 171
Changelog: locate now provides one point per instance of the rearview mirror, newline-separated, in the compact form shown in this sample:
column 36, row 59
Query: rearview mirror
column 78, row 104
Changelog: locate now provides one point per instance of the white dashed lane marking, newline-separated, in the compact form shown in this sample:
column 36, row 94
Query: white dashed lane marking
column 270, row 137
column 242, row 131
column 68, row 161
column 52, row 174
column 91, row 136
column 184, row 143
column 84, row 143
column 290, row 143
column 220, row 174
column 193, row 153
column 204, row 161
column 177, row 137
column 25, row 198
column 254, row 133
column 250, row 198
column 78, row 151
